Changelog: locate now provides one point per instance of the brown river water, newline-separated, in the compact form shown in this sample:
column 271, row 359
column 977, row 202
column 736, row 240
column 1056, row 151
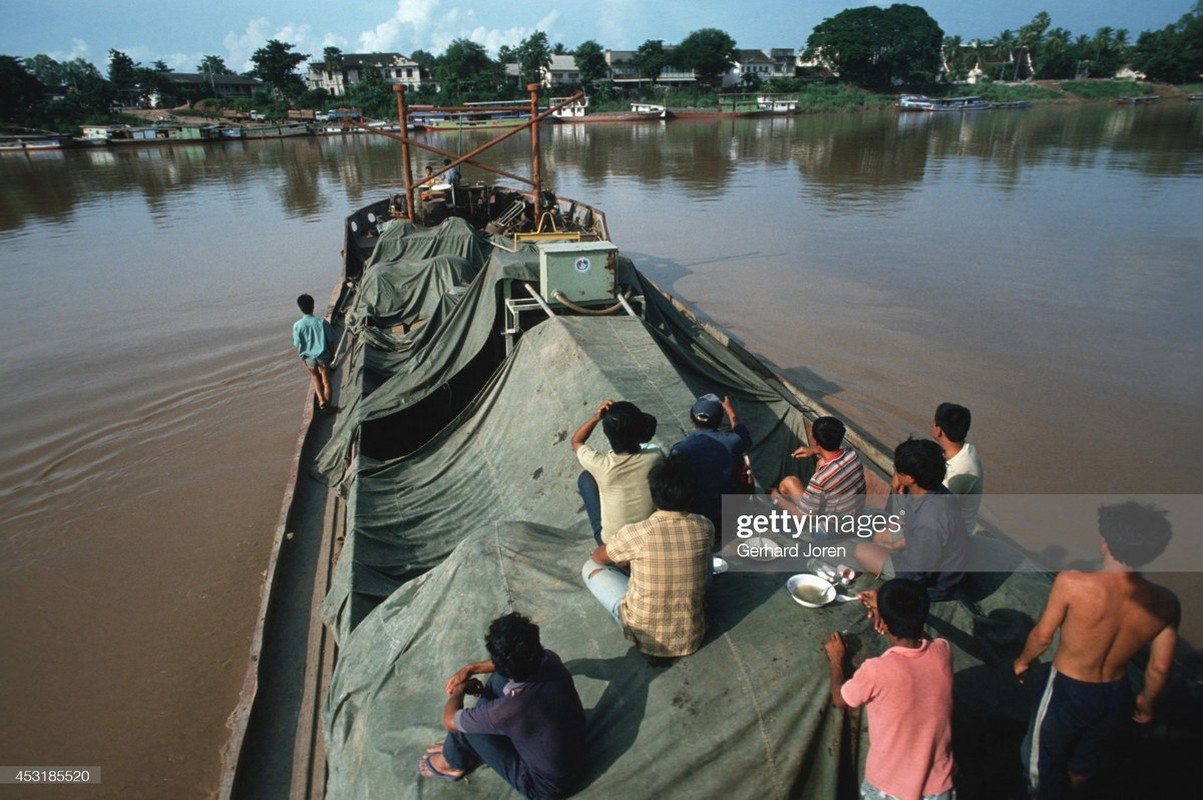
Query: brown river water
column 1041, row 267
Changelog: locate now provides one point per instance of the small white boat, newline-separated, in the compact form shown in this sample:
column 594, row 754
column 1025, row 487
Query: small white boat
column 919, row 102
column 651, row 110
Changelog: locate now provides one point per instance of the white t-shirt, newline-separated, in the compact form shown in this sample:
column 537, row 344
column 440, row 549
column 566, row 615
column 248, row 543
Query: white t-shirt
column 964, row 477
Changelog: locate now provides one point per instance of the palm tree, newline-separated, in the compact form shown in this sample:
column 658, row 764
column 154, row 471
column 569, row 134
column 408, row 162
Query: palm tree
column 1004, row 46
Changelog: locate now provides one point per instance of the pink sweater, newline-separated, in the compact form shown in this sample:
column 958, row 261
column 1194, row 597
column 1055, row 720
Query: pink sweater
column 909, row 697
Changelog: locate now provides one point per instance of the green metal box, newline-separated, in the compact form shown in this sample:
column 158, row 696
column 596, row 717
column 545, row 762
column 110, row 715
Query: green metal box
column 582, row 271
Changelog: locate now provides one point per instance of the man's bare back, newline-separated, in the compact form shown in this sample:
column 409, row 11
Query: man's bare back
column 1105, row 618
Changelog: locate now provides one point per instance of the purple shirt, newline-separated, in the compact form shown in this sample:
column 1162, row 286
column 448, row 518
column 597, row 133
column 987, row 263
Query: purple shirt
column 544, row 720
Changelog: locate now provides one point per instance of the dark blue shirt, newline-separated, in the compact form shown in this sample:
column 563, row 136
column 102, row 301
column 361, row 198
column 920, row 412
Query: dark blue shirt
column 715, row 458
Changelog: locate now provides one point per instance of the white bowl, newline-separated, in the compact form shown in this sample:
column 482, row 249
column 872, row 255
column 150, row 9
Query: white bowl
column 810, row 590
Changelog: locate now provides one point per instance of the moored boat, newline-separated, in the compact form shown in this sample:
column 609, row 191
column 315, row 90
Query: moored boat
column 579, row 111
column 280, row 131
column 919, row 102
column 478, row 330
column 474, row 116
column 1137, row 100
column 32, row 142
column 163, row 133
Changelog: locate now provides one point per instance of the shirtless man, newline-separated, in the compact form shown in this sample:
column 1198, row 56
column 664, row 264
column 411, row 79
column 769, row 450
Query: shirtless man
column 1104, row 618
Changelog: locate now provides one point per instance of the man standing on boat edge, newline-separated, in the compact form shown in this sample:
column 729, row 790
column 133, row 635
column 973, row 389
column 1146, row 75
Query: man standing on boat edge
column 1104, row 618
column 313, row 337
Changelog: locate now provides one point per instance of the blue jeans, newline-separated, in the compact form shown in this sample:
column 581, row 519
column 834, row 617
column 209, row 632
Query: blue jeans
column 609, row 585
column 586, row 484
column 466, row 750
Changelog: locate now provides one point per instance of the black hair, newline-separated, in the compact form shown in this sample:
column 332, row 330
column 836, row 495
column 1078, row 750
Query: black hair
column 671, row 482
column 305, row 303
column 626, row 427
column 923, row 460
column 1135, row 533
column 828, row 433
column 903, row 606
column 953, row 420
column 513, row 644
column 446, row 161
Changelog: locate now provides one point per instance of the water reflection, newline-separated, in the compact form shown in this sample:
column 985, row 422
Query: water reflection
column 868, row 162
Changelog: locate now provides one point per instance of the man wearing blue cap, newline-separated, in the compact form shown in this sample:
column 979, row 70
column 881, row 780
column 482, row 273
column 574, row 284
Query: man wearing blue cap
column 716, row 457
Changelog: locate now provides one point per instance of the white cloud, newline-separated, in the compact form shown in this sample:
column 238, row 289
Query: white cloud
column 416, row 25
column 79, row 49
column 615, row 21
column 409, row 22
column 240, row 48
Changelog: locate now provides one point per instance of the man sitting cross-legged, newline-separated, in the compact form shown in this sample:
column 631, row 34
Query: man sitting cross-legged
column 837, row 486
column 528, row 724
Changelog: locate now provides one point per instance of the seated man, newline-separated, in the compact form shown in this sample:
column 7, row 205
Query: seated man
column 1105, row 618
column 963, row 474
column 932, row 546
column 838, row 483
column 614, row 486
column 907, row 694
column 528, row 724
column 715, row 457
column 668, row 555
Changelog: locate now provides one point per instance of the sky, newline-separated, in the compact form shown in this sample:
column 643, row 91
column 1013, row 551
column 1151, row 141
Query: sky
column 180, row 33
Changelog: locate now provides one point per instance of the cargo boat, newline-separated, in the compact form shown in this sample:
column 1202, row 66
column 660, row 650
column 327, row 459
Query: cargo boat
column 478, row 329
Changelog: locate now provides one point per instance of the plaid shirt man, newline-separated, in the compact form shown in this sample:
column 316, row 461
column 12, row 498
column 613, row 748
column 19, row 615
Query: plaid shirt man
column 669, row 555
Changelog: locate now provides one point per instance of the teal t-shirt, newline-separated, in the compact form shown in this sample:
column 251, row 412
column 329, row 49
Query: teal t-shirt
column 312, row 337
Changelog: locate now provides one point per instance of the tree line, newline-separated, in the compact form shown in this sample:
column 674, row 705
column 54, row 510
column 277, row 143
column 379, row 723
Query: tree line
column 871, row 47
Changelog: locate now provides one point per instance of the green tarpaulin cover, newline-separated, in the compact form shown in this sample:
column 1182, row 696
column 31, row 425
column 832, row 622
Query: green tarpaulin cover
column 484, row 518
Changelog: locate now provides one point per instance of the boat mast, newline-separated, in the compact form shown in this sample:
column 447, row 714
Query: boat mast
column 536, row 176
column 407, row 170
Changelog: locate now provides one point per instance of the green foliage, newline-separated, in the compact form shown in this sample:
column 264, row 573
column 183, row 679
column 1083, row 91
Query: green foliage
column 1105, row 90
column 465, row 71
column 691, row 97
column 650, row 59
column 213, row 65
column 1006, row 92
column 425, row 60
column 877, row 47
column 332, row 59
column 533, row 56
column 157, row 82
column 590, row 62
column 20, row 92
column 709, row 52
column 317, row 99
column 123, row 73
column 48, row 71
column 276, row 65
column 373, row 95
column 818, row 98
column 1174, row 53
